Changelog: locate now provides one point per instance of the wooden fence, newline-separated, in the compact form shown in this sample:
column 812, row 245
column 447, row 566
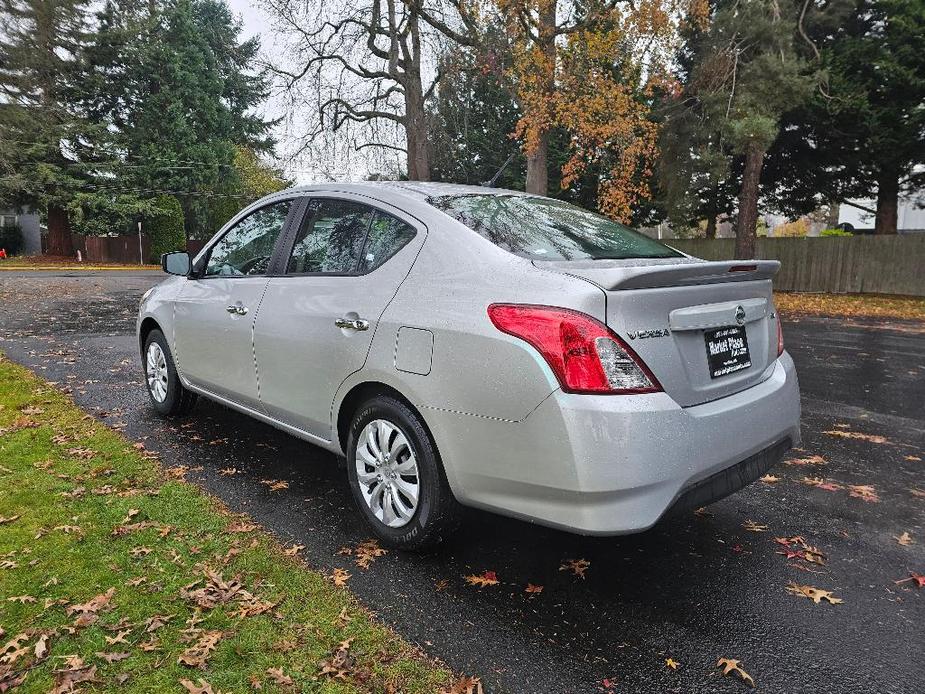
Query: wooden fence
column 114, row 249
column 840, row 265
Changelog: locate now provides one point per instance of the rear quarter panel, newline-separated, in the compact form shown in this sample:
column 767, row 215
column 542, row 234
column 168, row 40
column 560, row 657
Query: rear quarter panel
column 476, row 369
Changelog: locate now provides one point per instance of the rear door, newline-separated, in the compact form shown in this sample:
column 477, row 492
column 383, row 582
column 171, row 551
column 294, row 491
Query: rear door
column 318, row 317
column 214, row 313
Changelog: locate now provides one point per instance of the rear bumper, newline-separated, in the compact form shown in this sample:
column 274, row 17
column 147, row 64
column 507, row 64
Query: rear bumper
column 604, row 465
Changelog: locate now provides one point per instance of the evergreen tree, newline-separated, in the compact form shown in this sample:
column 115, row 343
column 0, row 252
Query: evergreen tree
column 747, row 73
column 43, row 138
column 864, row 131
column 177, row 86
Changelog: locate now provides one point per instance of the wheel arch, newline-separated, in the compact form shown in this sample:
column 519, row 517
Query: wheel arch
column 148, row 325
column 359, row 394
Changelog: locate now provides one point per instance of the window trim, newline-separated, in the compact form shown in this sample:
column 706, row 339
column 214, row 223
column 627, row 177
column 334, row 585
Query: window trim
column 202, row 260
column 294, row 231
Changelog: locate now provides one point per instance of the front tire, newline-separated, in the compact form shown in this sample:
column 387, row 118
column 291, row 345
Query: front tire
column 166, row 392
column 396, row 476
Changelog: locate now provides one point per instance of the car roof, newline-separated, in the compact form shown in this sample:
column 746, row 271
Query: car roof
column 418, row 190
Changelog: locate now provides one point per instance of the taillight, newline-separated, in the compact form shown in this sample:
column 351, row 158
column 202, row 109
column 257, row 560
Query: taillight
column 780, row 337
column 583, row 353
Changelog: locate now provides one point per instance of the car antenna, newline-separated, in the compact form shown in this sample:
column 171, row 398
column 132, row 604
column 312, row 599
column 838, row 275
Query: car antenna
column 494, row 179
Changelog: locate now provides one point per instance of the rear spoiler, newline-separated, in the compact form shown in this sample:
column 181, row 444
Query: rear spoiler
column 612, row 276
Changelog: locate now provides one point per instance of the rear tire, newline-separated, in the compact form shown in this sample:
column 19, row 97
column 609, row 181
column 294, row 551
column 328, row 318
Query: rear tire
column 166, row 392
column 397, row 478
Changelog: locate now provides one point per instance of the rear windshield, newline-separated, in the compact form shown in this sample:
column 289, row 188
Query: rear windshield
column 544, row 229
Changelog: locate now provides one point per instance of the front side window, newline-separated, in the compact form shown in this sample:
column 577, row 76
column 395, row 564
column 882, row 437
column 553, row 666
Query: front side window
column 544, row 229
column 8, row 220
column 331, row 237
column 247, row 247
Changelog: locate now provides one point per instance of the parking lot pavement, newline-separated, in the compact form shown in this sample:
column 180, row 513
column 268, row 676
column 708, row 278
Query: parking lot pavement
column 694, row 589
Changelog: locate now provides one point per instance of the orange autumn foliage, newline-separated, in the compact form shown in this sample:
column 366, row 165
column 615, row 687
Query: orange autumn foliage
column 596, row 79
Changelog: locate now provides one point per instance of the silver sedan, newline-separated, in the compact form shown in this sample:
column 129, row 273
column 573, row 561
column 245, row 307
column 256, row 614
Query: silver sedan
column 467, row 346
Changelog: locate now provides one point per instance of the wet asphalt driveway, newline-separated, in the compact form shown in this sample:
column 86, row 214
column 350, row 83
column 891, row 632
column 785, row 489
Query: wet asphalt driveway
column 694, row 589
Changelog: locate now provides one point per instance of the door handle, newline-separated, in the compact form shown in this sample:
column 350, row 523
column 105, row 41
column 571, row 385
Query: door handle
column 237, row 309
column 348, row 324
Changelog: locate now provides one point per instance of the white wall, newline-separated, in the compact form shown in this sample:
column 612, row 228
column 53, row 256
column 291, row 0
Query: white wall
column 911, row 213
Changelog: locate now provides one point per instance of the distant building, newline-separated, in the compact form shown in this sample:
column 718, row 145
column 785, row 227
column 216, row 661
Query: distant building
column 28, row 223
column 910, row 214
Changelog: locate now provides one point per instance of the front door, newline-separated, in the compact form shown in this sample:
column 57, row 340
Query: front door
column 317, row 320
column 214, row 312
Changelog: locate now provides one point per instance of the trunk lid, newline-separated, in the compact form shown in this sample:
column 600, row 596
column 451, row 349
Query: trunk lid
column 662, row 308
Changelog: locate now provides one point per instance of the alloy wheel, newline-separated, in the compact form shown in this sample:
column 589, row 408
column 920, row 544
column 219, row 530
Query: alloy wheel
column 156, row 368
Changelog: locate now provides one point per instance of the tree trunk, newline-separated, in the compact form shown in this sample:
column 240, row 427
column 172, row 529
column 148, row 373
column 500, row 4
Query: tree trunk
column 538, row 159
column 416, row 135
column 537, row 167
column 887, row 202
column 59, row 232
column 711, row 226
column 832, row 214
column 748, row 203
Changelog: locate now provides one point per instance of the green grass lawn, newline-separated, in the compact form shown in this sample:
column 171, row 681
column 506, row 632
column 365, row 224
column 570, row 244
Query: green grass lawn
column 114, row 576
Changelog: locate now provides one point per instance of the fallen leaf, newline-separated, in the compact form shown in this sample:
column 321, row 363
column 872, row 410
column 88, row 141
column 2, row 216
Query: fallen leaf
column 41, row 647
column 905, row 539
column 486, row 578
column 75, row 673
column 731, row 666
column 531, row 588
column 807, row 460
column 4, row 520
column 227, row 471
column 201, row 687
column 118, row 638
column 197, row 654
column 241, row 527
column 69, row 529
column 279, row 677
column 367, row 552
column 672, row 663
column 870, row 438
column 156, row 622
column 769, row 479
column 918, row 579
column 465, row 685
column 275, row 485
column 912, row 458
column 340, row 577
column 866, row 492
column 576, row 566
column 87, row 612
column 112, row 657
column 815, row 594
column 22, row 599
column 339, row 664
column 293, row 550
column 754, row 527
column 822, row 483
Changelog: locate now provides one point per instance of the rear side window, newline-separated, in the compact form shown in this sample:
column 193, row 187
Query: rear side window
column 331, row 237
column 387, row 236
column 544, row 229
column 344, row 237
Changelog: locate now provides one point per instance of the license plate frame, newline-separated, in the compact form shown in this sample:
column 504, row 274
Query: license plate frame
column 727, row 350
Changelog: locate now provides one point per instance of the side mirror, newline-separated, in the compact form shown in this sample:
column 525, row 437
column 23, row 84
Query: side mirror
column 176, row 263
